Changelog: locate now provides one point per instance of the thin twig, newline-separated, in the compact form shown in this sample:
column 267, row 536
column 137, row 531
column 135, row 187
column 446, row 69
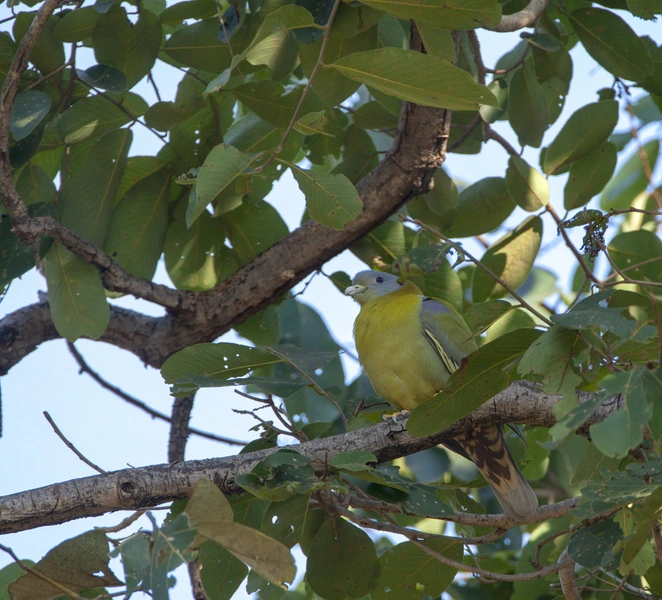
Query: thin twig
column 567, row 578
column 45, row 77
column 150, row 78
column 312, row 382
column 281, row 415
column 71, row 447
column 468, row 130
column 481, row 266
column 124, row 523
column 84, row 368
column 490, row 134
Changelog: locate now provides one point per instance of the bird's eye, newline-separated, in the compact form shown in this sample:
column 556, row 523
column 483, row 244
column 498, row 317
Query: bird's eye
column 379, row 280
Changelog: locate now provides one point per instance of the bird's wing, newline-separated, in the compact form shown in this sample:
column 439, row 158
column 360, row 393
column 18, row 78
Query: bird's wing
column 446, row 332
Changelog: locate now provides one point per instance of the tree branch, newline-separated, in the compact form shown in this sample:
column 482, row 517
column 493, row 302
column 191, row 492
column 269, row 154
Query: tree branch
column 134, row 489
column 523, row 18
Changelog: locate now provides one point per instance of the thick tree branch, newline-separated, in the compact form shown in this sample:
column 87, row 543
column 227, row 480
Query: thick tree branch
column 132, row 489
column 523, row 18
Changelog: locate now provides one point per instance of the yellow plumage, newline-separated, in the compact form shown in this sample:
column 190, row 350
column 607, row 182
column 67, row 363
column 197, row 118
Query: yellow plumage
column 408, row 346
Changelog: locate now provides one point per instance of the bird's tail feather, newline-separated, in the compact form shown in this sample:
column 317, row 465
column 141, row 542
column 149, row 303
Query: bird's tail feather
column 487, row 449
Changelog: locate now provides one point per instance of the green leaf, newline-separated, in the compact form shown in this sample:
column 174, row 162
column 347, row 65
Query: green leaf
column 551, row 65
column 197, row 258
column 284, row 521
column 212, row 515
column 138, row 224
column 623, row 429
column 510, row 258
column 48, row 53
column 410, row 573
column 268, row 101
column 79, row 563
column 372, row 115
column 481, row 316
column 612, row 43
column 526, row 185
column 478, row 380
column 592, row 463
column 76, row 297
column 444, row 14
column 197, row 46
column 551, row 357
column 15, row 258
column 220, row 361
column 97, row 116
column 28, row 110
column 589, row 175
column 104, row 77
column 7, row 51
column 219, row 171
column 436, row 207
column 415, row 77
column 630, row 180
column 585, row 130
column 590, row 545
column 527, row 108
column 491, row 114
column 35, row 185
column 342, row 561
column 88, row 197
column 353, row 460
column 130, row 48
column 384, row 243
column 76, row 25
column 488, row 198
column 253, row 228
column 634, row 247
column 9, row 574
column 221, row 572
column 438, row 42
column 331, row 200
column 261, row 328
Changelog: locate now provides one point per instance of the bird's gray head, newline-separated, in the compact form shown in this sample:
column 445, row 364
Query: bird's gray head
column 368, row 285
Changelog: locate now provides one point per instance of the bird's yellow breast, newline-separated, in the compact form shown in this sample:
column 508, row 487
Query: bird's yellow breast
column 400, row 363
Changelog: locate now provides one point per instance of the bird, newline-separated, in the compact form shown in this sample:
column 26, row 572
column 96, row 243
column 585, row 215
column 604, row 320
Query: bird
column 409, row 344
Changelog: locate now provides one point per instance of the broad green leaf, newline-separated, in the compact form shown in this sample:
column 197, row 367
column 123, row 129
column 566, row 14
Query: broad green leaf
column 220, row 361
column 28, row 110
column 189, row 9
column 372, row 115
column 592, row 463
column 623, row 429
column 612, row 43
column 589, row 175
column 34, row 185
column 444, row 14
column 383, row 244
column 518, row 318
column 527, row 108
column 284, row 521
column 590, row 545
column 653, row 82
column 138, row 224
column 130, row 48
column 550, row 360
column 212, row 516
column 104, row 77
column 252, row 134
column 630, row 180
column 88, row 197
column 481, row 316
column 79, row 563
column 585, row 130
column 415, row 77
column 488, row 198
column 268, row 101
column 221, row 571
column 342, row 561
column 331, row 86
column 16, row 258
column 197, row 46
column 634, row 247
column 48, row 53
column 479, row 379
column 253, row 228
column 574, row 419
column 261, row 328
column 436, row 208
column 410, row 573
column 76, row 25
column 197, row 258
column 7, row 52
column 138, row 168
column 11, row 573
column 491, row 114
column 353, row 460
column 97, row 116
column 526, row 185
column 76, row 297
column 438, row 42
column 219, row 171
column 550, row 65
column 331, row 200
column 511, row 258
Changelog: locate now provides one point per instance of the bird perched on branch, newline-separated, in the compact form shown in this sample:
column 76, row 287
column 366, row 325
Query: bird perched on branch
column 409, row 345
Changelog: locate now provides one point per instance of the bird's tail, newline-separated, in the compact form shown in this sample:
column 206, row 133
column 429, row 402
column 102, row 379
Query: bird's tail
column 487, row 449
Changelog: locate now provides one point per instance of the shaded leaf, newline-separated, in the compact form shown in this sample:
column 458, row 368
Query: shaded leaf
column 527, row 108
column 526, row 185
column 589, row 175
column 28, row 110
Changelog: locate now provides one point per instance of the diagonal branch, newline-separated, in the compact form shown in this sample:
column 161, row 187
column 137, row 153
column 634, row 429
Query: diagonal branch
column 523, row 18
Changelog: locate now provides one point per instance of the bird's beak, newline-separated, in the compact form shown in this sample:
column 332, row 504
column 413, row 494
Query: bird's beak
column 352, row 290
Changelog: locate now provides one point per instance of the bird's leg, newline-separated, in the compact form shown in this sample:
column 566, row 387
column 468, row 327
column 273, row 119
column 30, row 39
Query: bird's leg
column 401, row 414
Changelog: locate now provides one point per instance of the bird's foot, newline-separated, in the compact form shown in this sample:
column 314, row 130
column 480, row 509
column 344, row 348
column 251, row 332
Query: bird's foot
column 401, row 414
